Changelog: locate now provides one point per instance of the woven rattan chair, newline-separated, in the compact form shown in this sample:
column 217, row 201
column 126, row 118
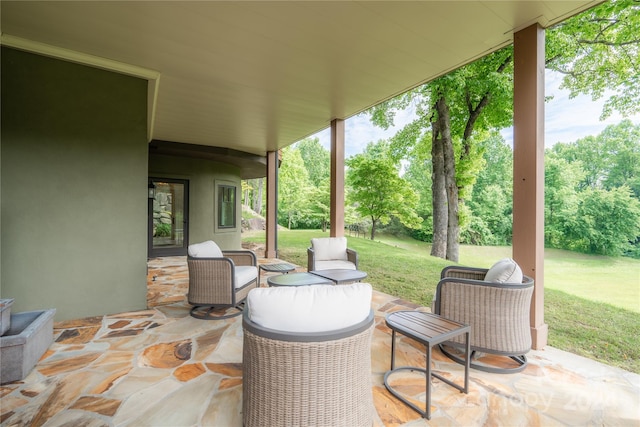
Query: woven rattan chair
column 307, row 379
column 219, row 282
column 498, row 314
column 328, row 253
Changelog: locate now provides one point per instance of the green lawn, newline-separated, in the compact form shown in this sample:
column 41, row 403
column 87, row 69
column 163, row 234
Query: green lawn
column 609, row 280
column 592, row 304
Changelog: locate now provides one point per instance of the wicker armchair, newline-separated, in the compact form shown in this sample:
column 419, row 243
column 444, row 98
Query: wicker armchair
column 328, row 253
column 219, row 279
column 498, row 314
column 307, row 379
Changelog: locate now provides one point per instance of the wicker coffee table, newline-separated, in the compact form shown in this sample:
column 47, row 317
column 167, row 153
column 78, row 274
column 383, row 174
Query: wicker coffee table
column 341, row 276
column 297, row 279
column 429, row 329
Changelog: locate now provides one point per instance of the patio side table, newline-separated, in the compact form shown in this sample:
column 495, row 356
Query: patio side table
column 281, row 267
column 429, row 329
column 341, row 276
column 297, row 279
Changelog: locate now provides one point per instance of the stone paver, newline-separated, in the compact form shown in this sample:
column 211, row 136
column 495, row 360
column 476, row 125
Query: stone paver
column 162, row 367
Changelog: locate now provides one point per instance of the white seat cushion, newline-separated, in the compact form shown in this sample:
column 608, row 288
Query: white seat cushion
column 208, row 249
column 316, row 308
column 245, row 274
column 328, row 265
column 504, row 271
column 329, row 248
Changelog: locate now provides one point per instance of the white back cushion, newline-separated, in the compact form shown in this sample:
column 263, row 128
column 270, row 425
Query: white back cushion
column 207, row 249
column 335, row 264
column 504, row 271
column 315, row 308
column 328, row 248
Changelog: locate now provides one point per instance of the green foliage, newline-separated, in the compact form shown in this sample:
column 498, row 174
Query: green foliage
column 376, row 189
column 590, row 204
column 598, row 51
column 252, row 196
column 418, row 174
column 610, row 159
column 320, row 205
column 162, row 230
column 293, row 189
column 606, row 222
column 491, row 202
column 622, row 147
column 316, row 160
column 561, row 198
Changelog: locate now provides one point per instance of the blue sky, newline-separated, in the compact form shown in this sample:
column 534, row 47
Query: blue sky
column 566, row 120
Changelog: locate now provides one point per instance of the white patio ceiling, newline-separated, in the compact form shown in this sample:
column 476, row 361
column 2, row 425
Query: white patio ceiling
column 258, row 76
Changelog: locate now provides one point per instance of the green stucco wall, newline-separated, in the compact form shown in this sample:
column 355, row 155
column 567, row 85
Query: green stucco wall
column 202, row 176
column 73, row 187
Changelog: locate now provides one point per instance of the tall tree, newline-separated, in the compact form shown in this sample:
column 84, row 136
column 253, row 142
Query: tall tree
column 491, row 203
column 317, row 162
column 257, row 199
column 320, row 203
column 622, row 141
column 293, row 188
column 476, row 95
column 377, row 190
column 418, row 173
column 561, row 197
column 597, row 50
column 252, row 194
column 316, row 159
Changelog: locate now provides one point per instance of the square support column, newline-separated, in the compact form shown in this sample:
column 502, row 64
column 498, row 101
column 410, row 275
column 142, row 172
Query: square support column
column 336, row 215
column 528, row 168
column 271, row 249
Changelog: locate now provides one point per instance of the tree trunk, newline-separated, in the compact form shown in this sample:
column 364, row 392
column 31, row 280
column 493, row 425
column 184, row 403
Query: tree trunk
column 246, row 197
column 373, row 229
column 257, row 198
column 438, row 188
column 453, row 227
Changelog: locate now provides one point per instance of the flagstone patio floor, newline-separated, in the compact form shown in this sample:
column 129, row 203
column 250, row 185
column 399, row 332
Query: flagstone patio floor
column 162, row 367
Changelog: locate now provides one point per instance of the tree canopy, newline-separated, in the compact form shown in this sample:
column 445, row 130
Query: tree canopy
column 376, row 189
column 598, row 53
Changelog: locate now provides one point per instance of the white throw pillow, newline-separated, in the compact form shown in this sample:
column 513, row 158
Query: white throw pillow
column 315, row 308
column 329, row 248
column 207, row 249
column 504, row 271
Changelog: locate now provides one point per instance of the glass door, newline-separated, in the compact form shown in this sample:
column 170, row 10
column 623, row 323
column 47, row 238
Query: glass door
column 168, row 217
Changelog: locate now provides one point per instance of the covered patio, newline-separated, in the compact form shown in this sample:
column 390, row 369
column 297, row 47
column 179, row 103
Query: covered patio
column 162, row 367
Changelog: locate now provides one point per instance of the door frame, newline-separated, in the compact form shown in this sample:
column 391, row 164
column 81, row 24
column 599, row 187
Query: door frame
column 172, row 251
